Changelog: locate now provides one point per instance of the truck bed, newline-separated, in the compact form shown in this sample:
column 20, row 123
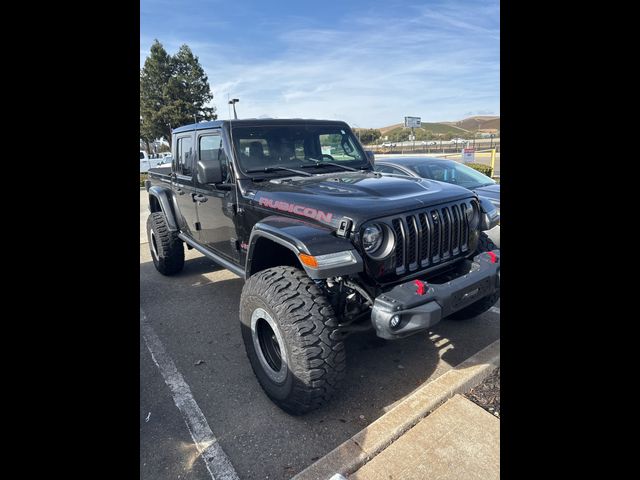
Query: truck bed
column 160, row 175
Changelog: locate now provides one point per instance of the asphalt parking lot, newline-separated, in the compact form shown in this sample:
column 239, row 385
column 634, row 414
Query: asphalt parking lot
column 195, row 316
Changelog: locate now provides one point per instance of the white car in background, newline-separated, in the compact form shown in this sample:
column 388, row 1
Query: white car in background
column 459, row 140
column 146, row 163
column 429, row 143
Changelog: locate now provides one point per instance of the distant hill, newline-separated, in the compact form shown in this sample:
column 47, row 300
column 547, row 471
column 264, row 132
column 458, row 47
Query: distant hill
column 435, row 128
column 384, row 130
column 479, row 123
column 470, row 124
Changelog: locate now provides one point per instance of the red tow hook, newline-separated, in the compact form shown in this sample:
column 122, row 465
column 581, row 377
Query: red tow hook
column 492, row 257
column 422, row 287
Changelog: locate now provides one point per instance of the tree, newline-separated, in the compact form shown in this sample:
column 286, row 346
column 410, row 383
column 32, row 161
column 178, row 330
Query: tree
column 173, row 91
column 369, row 136
column 145, row 135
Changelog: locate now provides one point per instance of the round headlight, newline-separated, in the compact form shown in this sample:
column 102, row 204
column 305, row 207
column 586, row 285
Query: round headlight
column 372, row 238
column 473, row 215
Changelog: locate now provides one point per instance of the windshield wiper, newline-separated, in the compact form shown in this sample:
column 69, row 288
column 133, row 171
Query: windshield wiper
column 319, row 163
column 275, row 169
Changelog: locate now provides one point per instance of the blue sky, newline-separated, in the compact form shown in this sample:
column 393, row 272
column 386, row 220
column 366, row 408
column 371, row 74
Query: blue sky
column 369, row 63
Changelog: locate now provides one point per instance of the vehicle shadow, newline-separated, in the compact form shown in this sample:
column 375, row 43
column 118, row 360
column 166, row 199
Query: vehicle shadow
column 195, row 313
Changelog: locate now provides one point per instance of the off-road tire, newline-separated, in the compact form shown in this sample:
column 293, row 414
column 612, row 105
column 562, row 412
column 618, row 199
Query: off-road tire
column 485, row 244
column 314, row 359
column 167, row 250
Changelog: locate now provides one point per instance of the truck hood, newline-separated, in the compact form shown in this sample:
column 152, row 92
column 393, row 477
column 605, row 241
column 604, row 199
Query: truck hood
column 490, row 192
column 360, row 196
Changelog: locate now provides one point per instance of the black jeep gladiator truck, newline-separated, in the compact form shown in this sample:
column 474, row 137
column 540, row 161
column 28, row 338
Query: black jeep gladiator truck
column 326, row 245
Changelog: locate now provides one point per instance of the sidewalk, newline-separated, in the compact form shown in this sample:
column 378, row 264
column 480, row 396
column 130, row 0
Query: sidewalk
column 433, row 433
column 458, row 440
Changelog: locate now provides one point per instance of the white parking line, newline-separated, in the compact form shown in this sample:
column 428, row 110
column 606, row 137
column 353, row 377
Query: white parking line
column 215, row 459
column 495, row 310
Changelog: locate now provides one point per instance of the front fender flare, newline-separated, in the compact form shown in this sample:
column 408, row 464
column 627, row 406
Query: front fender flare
column 303, row 237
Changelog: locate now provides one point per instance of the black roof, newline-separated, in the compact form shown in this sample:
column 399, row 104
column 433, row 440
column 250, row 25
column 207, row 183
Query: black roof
column 253, row 121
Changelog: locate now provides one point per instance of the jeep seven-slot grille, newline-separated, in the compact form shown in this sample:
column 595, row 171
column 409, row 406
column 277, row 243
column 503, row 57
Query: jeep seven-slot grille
column 430, row 237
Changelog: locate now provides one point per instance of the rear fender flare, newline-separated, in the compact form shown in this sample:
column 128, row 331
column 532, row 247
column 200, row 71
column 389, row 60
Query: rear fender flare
column 165, row 199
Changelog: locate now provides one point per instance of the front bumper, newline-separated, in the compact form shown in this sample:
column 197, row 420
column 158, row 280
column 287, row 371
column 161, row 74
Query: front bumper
column 418, row 305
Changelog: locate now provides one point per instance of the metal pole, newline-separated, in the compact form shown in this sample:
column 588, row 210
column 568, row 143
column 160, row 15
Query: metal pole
column 233, row 102
column 413, row 149
column 493, row 160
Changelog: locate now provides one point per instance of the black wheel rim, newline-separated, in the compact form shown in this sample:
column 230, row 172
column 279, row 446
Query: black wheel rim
column 269, row 344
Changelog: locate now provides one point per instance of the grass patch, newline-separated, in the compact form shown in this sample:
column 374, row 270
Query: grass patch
column 486, row 169
column 143, row 177
column 428, row 131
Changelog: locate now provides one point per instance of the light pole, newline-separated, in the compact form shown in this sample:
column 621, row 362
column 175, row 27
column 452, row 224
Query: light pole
column 233, row 102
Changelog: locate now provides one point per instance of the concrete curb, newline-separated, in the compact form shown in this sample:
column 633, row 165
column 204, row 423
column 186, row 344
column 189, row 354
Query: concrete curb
column 369, row 442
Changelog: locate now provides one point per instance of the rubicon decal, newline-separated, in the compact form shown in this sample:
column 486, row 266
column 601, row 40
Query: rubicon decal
column 297, row 209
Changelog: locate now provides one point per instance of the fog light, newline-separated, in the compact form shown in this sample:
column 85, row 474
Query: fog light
column 395, row 321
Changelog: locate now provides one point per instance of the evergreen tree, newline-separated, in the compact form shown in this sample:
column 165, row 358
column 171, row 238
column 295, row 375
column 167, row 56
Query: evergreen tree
column 173, row 92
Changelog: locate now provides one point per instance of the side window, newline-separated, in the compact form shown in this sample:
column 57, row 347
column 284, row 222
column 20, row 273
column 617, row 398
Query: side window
column 210, row 148
column 388, row 169
column 185, row 156
column 435, row 172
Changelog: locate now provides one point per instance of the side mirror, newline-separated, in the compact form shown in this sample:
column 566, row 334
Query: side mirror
column 371, row 156
column 209, row 171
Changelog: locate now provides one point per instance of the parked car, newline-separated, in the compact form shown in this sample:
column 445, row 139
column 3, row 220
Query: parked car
column 459, row 140
column 147, row 162
column 388, row 144
column 443, row 170
column 448, row 171
column 326, row 246
column 429, row 143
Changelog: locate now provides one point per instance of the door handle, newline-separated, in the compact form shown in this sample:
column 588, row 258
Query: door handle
column 180, row 191
column 198, row 197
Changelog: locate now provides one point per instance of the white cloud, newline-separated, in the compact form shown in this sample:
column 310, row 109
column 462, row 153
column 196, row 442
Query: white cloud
column 440, row 64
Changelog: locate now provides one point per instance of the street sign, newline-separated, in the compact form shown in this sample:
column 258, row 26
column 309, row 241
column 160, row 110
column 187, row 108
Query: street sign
column 468, row 155
column 412, row 122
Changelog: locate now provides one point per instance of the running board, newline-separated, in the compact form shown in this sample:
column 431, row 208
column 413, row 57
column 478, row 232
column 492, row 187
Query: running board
column 216, row 258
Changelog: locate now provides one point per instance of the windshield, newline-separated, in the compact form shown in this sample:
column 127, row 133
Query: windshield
column 296, row 146
column 452, row 172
